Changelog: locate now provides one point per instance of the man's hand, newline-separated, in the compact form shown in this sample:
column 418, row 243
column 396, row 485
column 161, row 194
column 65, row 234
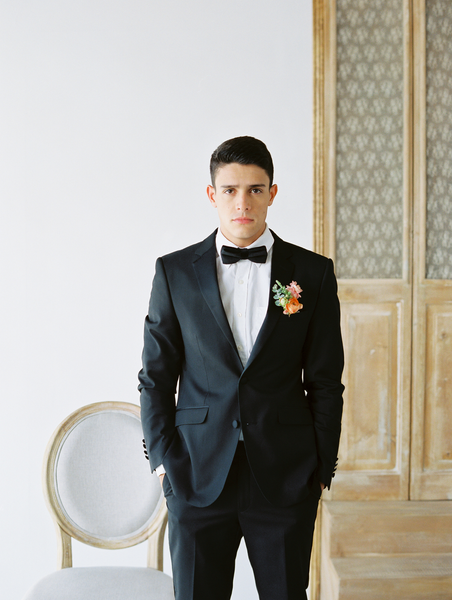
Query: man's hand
column 163, row 475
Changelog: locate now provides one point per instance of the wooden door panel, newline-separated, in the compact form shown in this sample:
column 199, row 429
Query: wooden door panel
column 375, row 438
column 431, row 447
column 369, row 438
column 438, row 388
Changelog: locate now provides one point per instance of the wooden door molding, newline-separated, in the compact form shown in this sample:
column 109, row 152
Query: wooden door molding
column 324, row 127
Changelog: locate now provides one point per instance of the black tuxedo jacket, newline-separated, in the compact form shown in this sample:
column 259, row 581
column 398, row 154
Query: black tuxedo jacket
column 287, row 400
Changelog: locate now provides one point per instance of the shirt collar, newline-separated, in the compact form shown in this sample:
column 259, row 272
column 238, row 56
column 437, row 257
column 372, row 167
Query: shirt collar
column 266, row 239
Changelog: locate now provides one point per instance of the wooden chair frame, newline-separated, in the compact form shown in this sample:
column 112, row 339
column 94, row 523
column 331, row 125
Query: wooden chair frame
column 154, row 531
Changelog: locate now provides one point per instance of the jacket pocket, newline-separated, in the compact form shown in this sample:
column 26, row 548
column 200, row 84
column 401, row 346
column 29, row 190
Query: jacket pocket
column 295, row 415
column 191, row 415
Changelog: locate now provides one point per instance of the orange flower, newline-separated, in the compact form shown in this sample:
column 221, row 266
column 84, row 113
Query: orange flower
column 292, row 306
column 287, row 297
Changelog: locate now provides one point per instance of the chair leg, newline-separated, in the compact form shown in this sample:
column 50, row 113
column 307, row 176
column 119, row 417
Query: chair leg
column 64, row 548
column 155, row 546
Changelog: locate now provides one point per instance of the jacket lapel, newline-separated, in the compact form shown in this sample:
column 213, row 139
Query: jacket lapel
column 205, row 268
column 204, row 265
column 282, row 270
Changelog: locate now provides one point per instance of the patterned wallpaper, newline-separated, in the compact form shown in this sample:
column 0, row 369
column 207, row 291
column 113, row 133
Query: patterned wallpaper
column 369, row 184
column 439, row 139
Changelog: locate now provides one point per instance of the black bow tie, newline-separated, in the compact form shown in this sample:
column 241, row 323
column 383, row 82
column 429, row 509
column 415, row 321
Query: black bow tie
column 231, row 255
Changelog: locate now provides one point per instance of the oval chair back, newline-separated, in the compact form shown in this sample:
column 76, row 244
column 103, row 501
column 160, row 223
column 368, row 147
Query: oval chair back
column 99, row 491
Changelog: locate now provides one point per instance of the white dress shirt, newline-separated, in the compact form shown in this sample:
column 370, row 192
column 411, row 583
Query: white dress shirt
column 244, row 290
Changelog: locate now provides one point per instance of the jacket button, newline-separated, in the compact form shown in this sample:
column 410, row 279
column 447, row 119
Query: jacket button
column 235, row 424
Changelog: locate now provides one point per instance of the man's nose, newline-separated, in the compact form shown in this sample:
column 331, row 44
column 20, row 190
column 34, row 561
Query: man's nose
column 242, row 201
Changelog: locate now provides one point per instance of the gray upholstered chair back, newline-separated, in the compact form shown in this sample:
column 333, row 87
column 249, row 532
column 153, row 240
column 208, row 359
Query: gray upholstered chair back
column 100, row 491
column 97, row 483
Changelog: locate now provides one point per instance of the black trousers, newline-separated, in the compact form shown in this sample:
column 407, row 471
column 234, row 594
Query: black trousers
column 204, row 541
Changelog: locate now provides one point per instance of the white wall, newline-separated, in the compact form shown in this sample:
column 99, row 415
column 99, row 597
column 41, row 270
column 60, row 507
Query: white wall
column 109, row 111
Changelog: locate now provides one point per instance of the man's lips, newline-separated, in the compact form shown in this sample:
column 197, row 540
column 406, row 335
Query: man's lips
column 242, row 220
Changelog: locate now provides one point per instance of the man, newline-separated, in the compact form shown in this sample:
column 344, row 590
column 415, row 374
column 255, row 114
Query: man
column 254, row 436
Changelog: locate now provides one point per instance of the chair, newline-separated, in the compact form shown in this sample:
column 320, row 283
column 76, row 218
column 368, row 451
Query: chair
column 99, row 490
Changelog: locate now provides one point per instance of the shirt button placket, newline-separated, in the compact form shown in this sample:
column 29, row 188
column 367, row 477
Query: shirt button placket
column 240, row 298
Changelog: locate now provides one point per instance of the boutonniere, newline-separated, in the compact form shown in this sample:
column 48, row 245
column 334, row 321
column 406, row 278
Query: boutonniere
column 287, row 297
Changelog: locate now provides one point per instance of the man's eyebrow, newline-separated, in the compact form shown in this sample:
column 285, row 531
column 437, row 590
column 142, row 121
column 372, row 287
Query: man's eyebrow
column 253, row 185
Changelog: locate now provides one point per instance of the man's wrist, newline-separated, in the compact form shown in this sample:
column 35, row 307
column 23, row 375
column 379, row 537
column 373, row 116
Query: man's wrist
column 160, row 470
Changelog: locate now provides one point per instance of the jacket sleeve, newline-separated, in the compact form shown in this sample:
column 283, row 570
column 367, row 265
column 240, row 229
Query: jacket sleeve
column 162, row 360
column 323, row 364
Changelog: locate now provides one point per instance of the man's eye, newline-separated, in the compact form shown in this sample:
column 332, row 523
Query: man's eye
column 229, row 191
column 256, row 191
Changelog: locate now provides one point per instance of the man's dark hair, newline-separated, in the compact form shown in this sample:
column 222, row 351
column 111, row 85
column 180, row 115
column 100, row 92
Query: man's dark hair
column 244, row 150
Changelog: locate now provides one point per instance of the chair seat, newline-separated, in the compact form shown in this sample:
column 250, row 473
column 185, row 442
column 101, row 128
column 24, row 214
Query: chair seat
column 103, row 583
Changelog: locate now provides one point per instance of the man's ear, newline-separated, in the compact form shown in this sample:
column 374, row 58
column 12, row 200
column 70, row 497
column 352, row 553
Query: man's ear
column 211, row 195
column 273, row 192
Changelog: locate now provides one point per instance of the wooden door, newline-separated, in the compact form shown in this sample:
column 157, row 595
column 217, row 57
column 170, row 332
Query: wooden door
column 383, row 212
column 431, row 443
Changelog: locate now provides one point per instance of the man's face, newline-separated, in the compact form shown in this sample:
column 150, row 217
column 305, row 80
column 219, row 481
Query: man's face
column 242, row 195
